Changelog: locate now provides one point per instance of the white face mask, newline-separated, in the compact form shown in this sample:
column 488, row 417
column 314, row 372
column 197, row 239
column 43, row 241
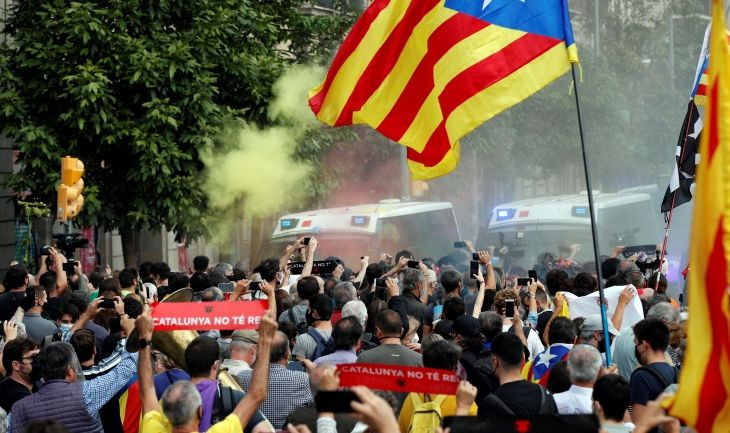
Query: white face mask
column 64, row 327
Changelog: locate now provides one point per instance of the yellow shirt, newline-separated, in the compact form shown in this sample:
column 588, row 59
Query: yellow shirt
column 448, row 408
column 155, row 422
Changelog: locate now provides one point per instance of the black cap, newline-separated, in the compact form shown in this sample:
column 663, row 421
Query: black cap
column 467, row 326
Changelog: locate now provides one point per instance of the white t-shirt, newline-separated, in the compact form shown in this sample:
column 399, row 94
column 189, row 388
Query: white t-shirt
column 534, row 345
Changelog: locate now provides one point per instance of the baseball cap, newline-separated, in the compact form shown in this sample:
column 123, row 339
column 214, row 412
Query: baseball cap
column 467, row 326
column 594, row 322
column 246, row 336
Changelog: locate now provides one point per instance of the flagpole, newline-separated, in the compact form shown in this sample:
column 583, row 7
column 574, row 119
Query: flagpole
column 594, row 230
column 671, row 211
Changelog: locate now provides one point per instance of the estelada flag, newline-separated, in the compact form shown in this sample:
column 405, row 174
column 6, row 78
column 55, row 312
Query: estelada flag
column 425, row 73
column 703, row 396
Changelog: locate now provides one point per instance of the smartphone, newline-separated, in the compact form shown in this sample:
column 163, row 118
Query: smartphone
column 413, row 264
column 107, row 303
column 460, row 244
column 335, row 401
column 226, row 287
column 45, row 250
column 509, row 307
column 475, row 256
column 380, row 282
column 305, row 241
column 473, row 269
column 523, row 281
column 254, row 286
column 532, row 274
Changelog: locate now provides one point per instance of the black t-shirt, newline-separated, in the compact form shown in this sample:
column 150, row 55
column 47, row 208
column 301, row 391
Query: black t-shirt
column 646, row 386
column 522, row 397
column 9, row 303
column 10, row 392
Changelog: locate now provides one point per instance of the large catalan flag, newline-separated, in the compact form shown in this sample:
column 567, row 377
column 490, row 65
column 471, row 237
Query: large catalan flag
column 425, row 73
column 703, row 398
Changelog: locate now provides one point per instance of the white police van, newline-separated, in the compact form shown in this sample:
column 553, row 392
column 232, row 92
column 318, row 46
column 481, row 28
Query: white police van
column 529, row 228
column 427, row 229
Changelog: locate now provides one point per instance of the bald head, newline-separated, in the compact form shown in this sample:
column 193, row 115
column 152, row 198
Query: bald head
column 180, row 403
column 280, row 348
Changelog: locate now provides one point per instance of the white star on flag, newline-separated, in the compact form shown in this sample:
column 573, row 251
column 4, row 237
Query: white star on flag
column 486, row 3
column 545, row 357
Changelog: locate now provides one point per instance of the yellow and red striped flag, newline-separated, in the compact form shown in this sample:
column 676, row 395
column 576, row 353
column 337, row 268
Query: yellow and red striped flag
column 425, row 73
column 703, row 397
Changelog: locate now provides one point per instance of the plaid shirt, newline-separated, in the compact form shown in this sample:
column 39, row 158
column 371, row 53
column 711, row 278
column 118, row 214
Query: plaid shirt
column 288, row 391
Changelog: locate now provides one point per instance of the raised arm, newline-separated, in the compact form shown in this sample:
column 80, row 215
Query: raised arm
column 480, row 295
column 307, row 271
column 363, row 268
column 260, row 377
column 624, row 298
column 147, row 394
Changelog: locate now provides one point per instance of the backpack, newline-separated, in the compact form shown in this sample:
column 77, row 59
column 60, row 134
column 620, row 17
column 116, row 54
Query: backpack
column 426, row 416
column 225, row 401
column 301, row 326
column 497, row 403
column 323, row 347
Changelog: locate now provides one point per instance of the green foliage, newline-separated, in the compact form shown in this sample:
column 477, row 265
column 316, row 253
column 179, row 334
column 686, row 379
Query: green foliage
column 138, row 89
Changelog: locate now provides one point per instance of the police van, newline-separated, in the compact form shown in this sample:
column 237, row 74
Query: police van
column 525, row 230
column 427, row 229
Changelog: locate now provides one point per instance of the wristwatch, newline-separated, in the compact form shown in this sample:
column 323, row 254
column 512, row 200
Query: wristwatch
column 142, row 343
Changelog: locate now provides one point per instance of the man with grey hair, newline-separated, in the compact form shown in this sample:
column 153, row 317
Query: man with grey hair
column 411, row 289
column 224, row 269
column 623, row 345
column 212, row 294
column 242, row 351
column 358, row 310
column 343, row 293
column 584, row 364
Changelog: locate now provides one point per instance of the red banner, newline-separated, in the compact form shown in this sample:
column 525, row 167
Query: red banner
column 204, row 316
column 398, row 378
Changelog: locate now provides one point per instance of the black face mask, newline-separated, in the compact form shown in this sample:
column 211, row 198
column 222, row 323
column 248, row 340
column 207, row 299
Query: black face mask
column 637, row 354
column 310, row 318
column 35, row 373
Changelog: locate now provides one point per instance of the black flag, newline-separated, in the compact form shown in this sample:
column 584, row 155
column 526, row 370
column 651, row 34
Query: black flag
column 687, row 158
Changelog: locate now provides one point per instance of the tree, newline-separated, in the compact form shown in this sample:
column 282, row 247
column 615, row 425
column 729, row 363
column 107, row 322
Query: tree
column 137, row 89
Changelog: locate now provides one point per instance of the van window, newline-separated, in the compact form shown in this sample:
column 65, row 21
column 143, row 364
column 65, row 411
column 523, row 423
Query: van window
column 428, row 234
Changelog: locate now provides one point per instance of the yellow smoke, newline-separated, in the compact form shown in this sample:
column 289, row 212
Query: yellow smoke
column 259, row 174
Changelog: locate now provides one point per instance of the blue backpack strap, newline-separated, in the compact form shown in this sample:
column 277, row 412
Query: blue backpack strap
column 320, row 343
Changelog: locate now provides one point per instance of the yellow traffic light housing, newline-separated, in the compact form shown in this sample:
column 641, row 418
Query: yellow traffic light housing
column 70, row 200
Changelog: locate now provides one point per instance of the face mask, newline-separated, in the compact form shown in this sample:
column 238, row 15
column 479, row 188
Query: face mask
column 310, row 318
column 65, row 327
column 638, row 355
column 35, row 373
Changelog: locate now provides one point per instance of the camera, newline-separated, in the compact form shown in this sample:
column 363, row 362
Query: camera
column 68, row 243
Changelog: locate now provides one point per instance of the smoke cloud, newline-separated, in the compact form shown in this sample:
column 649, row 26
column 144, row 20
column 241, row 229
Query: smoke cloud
column 259, row 172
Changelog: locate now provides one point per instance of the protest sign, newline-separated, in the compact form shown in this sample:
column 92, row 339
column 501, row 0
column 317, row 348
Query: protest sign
column 318, row 267
column 586, row 305
column 398, row 378
column 202, row 316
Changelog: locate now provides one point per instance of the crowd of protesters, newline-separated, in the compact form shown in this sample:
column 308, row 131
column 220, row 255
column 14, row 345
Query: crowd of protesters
column 67, row 364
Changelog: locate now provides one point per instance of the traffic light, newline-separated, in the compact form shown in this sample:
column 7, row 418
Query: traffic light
column 70, row 200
